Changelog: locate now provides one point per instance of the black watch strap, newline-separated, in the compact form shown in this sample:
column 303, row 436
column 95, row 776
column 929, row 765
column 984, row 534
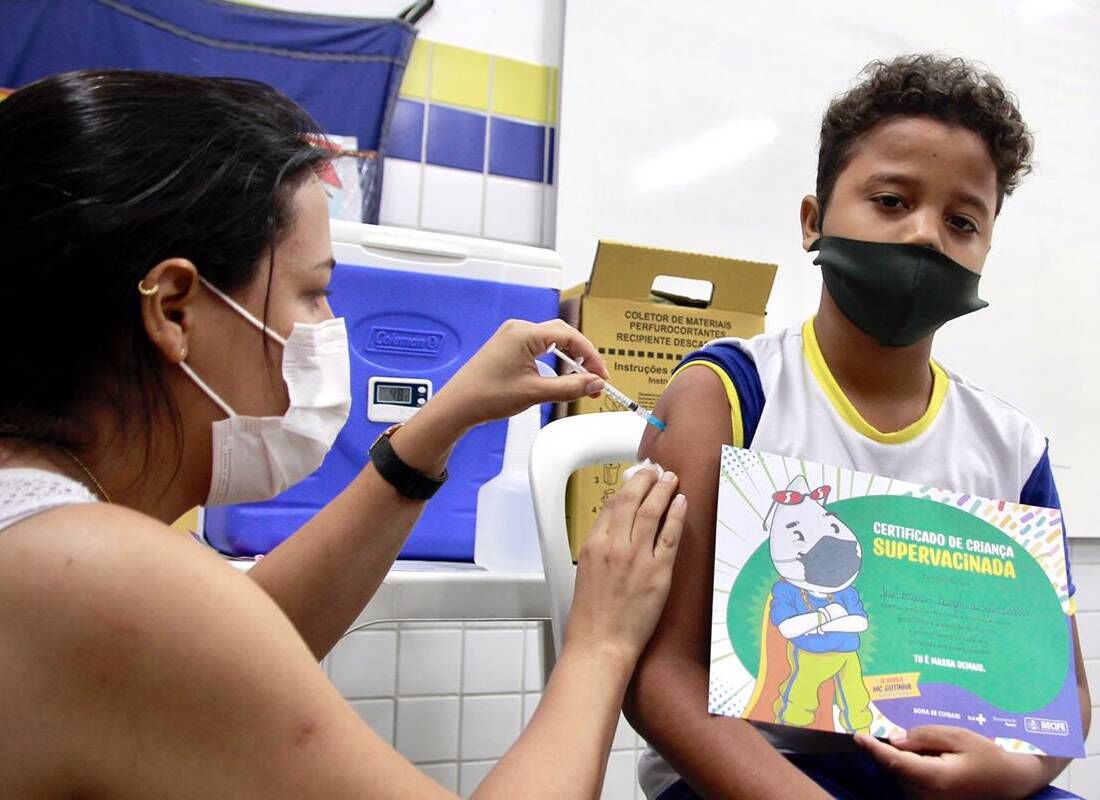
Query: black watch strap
column 408, row 482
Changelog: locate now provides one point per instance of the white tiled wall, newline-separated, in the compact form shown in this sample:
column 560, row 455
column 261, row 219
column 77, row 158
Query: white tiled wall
column 450, row 200
column 401, row 195
column 440, row 198
column 453, row 696
column 514, row 210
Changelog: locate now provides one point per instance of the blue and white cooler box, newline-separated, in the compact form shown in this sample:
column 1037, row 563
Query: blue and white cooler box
column 418, row 305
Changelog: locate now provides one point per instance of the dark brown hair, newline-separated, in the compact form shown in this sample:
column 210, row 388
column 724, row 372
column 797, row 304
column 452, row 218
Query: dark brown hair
column 951, row 90
column 103, row 174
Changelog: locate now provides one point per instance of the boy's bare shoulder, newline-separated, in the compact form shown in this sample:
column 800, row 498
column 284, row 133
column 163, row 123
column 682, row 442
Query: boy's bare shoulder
column 695, row 410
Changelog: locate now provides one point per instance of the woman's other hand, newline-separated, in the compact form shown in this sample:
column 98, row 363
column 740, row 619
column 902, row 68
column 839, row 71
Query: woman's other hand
column 625, row 567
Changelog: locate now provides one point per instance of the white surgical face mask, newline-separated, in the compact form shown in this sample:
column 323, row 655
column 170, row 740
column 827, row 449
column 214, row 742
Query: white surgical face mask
column 256, row 458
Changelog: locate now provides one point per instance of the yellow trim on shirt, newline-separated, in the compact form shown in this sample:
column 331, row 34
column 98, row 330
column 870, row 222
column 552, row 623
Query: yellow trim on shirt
column 848, row 412
column 736, row 423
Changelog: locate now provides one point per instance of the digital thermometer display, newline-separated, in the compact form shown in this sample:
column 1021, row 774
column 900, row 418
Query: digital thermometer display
column 387, row 393
column 396, row 399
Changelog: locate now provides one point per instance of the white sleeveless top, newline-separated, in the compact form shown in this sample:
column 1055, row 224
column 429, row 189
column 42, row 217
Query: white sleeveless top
column 26, row 492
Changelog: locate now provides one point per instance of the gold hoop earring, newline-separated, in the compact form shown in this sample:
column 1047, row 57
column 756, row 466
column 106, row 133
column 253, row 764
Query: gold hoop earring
column 147, row 292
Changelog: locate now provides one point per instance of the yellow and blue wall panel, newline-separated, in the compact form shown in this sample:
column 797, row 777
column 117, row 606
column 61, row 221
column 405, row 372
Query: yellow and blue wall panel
column 476, row 111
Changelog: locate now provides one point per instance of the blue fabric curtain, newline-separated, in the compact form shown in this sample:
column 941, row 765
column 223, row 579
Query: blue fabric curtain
column 345, row 72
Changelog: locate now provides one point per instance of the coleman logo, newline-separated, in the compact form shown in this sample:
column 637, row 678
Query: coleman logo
column 403, row 340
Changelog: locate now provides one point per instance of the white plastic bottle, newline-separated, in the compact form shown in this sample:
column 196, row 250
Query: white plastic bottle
column 506, row 537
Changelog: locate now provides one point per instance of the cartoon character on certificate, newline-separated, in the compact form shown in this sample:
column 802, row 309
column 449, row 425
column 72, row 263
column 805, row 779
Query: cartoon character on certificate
column 815, row 607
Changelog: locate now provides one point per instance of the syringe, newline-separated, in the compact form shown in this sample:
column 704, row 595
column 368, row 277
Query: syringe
column 609, row 390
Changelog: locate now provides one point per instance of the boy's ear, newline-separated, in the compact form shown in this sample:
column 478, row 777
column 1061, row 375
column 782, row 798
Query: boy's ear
column 810, row 216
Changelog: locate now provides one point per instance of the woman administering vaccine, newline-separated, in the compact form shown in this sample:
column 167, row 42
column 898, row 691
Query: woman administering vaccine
column 168, row 343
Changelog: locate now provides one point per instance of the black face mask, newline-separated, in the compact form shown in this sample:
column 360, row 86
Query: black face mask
column 831, row 562
column 896, row 293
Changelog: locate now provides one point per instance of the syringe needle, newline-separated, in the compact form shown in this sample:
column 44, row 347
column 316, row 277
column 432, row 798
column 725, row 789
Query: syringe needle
column 619, row 397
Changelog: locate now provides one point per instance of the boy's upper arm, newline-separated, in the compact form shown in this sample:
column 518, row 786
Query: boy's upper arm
column 696, row 413
column 667, row 700
column 174, row 675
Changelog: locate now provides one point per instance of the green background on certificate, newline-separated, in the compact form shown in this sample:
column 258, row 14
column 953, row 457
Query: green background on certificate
column 1012, row 627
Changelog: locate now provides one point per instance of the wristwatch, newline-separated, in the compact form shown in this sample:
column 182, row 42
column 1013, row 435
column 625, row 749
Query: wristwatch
column 408, row 482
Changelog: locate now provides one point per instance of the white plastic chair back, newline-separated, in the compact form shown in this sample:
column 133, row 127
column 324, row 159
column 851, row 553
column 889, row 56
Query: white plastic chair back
column 560, row 448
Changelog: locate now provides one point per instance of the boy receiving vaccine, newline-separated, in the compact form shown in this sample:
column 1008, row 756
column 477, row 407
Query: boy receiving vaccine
column 913, row 167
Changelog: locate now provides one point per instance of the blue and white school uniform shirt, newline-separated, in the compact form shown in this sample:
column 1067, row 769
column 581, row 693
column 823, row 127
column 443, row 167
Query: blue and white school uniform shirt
column 784, row 400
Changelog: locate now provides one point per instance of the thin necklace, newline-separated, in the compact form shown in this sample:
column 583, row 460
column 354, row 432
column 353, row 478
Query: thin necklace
column 88, row 472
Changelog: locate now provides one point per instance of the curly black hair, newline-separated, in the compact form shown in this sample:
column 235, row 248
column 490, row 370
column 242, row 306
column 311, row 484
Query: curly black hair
column 951, row 90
